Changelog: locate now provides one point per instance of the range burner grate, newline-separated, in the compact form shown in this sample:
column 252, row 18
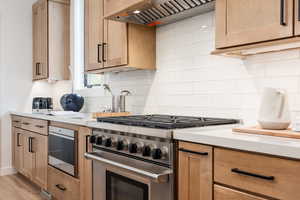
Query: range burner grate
column 167, row 121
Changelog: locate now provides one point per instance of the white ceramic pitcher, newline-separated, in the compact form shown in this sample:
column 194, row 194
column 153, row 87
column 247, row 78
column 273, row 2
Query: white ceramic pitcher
column 274, row 110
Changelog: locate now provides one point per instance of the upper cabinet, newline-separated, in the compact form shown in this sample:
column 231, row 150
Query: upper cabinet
column 51, row 39
column 297, row 17
column 242, row 21
column 244, row 24
column 115, row 46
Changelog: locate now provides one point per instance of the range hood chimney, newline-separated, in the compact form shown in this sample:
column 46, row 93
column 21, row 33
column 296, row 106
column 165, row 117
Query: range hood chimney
column 161, row 12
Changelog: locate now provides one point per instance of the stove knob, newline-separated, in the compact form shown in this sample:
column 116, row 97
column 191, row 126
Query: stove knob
column 99, row 140
column 146, row 151
column 120, row 145
column 108, row 142
column 92, row 139
column 133, row 148
column 156, row 154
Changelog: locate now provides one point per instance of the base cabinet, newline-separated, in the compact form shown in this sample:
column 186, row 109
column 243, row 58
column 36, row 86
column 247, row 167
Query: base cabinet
column 18, row 149
column 30, row 150
column 195, row 172
column 62, row 186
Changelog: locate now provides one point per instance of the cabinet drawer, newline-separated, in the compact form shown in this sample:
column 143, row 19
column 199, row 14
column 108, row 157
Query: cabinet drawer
column 270, row 176
column 62, row 186
column 35, row 125
column 16, row 121
column 223, row 193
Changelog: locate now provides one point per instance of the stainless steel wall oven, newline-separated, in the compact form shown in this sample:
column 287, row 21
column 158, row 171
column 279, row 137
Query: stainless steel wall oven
column 62, row 150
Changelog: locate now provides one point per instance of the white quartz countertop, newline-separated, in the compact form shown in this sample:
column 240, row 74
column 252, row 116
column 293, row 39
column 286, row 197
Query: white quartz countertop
column 220, row 136
column 81, row 119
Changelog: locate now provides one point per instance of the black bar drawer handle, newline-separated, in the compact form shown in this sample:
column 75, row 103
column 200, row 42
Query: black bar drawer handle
column 238, row 171
column 98, row 53
column 15, row 121
column 31, row 144
column 103, row 52
column 61, row 187
column 282, row 13
column 26, row 123
column 18, row 139
column 193, row 152
column 39, row 126
column 299, row 10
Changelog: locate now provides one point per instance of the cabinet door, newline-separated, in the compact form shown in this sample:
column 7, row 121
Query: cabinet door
column 27, row 154
column 93, row 35
column 241, row 22
column 297, row 17
column 40, row 40
column 195, row 179
column 18, row 147
column 115, row 44
column 40, row 159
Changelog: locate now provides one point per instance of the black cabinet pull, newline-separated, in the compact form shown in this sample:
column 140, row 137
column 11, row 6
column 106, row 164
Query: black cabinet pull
column 26, row 123
column 282, row 13
column 18, row 139
column 299, row 10
column 39, row 126
column 30, row 141
column 238, row 171
column 103, row 52
column 38, row 69
column 16, row 121
column 61, row 187
column 98, row 53
column 193, row 152
column 87, row 139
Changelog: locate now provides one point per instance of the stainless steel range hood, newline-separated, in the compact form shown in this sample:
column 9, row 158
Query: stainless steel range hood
column 161, row 12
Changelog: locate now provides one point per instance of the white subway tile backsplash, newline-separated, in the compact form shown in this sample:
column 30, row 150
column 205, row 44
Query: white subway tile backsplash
column 191, row 81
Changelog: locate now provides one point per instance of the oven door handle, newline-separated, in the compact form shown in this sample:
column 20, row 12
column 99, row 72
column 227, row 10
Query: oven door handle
column 159, row 178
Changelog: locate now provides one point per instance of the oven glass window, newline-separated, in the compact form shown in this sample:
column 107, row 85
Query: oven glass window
column 62, row 149
column 121, row 188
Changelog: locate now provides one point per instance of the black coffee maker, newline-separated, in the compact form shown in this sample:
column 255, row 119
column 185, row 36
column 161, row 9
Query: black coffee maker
column 42, row 105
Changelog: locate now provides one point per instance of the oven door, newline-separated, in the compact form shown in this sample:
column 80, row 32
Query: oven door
column 118, row 177
column 62, row 152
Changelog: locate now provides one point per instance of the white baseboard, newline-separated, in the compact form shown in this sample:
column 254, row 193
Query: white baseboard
column 7, row 171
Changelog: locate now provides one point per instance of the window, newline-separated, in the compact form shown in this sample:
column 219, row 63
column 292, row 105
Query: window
column 81, row 80
column 93, row 80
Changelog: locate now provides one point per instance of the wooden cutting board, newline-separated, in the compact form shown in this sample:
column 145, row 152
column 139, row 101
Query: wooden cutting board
column 110, row 114
column 259, row 131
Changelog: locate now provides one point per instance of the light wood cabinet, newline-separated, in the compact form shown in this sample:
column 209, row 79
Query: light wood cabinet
column 18, row 148
column 51, row 33
column 28, row 156
column 297, row 17
column 195, row 179
column 240, row 22
column 94, row 25
column 40, row 160
column 30, row 148
column 270, row 176
column 40, row 38
column 223, row 193
column 116, row 46
column 35, row 158
column 62, row 186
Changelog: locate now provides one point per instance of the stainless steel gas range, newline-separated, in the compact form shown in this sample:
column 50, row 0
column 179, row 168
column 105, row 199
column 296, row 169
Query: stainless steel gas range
column 134, row 156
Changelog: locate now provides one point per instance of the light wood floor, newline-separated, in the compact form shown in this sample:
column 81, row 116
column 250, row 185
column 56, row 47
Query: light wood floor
column 16, row 187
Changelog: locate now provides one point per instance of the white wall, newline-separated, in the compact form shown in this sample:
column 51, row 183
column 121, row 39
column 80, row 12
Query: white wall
column 190, row 81
column 16, row 87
